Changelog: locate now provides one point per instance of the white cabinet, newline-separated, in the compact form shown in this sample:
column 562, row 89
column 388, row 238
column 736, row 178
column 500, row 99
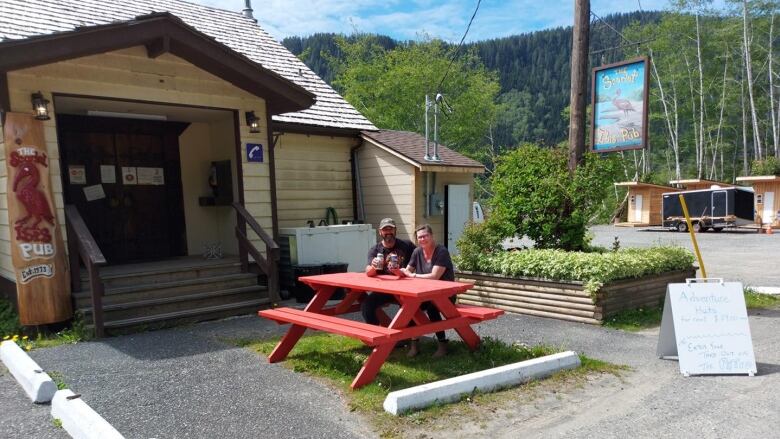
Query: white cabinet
column 327, row 244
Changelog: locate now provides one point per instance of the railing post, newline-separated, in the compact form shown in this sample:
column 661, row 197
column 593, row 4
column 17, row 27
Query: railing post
column 273, row 274
column 243, row 253
column 97, row 299
column 73, row 259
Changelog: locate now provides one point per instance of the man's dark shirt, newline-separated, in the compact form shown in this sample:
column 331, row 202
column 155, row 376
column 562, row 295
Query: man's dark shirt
column 402, row 248
column 441, row 257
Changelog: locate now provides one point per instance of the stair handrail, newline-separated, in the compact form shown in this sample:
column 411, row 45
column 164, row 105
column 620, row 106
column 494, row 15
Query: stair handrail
column 81, row 244
column 270, row 264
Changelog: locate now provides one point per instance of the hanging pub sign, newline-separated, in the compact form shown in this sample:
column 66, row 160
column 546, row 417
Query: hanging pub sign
column 619, row 106
column 42, row 277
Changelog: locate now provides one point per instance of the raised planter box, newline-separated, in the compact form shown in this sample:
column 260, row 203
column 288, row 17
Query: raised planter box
column 565, row 300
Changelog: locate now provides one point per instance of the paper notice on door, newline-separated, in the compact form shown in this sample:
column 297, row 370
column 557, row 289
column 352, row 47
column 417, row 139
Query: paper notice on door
column 77, row 174
column 129, row 175
column 95, row 192
column 107, row 174
column 153, row 176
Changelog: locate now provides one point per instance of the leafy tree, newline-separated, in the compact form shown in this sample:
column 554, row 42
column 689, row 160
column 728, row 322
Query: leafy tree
column 389, row 87
column 535, row 195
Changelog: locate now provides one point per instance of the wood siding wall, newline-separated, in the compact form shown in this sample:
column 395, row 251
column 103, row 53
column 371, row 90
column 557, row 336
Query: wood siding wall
column 442, row 179
column 760, row 188
column 388, row 185
column 312, row 174
column 130, row 74
column 651, row 205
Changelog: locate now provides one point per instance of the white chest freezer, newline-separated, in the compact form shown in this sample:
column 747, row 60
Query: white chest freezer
column 326, row 244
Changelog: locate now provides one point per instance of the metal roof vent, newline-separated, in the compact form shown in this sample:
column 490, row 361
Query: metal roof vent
column 248, row 10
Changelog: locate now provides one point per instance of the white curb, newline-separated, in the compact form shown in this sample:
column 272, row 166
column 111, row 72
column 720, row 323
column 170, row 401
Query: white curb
column 36, row 383
column 767, row 290
column 452, row 389
column 78, row 418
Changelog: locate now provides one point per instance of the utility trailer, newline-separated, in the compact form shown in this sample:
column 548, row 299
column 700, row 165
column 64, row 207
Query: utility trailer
column 715, row 208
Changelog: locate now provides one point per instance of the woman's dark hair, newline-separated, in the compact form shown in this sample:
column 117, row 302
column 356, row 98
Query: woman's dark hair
column 426, row 227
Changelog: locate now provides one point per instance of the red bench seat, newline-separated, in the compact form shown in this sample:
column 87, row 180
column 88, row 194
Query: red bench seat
column 369, row 334
column 478, row 312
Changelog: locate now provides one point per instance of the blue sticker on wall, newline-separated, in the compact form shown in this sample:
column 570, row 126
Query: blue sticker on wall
column 254, row 152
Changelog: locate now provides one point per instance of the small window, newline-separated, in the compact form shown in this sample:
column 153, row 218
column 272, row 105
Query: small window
column 759, row 198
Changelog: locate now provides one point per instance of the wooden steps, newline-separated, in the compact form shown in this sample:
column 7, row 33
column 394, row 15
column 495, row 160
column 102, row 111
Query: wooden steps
column 170, row 292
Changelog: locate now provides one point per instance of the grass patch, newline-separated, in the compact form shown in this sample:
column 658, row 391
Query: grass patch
column 637, row 319
column 25, row 337
column 633, row 320
column 756, row 300
column 58, row 379
column 338, row 359
column 56, row 422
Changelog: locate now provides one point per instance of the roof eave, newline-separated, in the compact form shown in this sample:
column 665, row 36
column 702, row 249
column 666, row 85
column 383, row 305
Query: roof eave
column 160, row 33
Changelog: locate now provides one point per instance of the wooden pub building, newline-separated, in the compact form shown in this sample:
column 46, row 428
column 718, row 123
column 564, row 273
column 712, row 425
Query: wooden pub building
column 139, row 136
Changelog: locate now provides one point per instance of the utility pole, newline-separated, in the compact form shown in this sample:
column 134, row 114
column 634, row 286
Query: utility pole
column 579, row 78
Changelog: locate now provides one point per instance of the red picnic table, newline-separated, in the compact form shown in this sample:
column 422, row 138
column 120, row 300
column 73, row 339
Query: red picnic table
column 410, row 293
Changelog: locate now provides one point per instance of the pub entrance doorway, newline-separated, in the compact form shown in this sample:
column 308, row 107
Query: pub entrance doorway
column 124, row 177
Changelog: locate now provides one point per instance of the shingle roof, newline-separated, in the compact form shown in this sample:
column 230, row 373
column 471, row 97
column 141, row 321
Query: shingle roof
column 412, row 146
column 27, row 18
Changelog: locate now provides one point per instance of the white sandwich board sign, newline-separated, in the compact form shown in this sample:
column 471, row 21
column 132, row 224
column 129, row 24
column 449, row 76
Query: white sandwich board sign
column 705, row 325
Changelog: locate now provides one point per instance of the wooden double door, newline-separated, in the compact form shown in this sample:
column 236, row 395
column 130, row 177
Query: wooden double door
column 124, row 176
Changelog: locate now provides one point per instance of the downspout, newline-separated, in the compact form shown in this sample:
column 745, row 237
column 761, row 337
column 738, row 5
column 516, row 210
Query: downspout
column 272, row 172
column 358, row 209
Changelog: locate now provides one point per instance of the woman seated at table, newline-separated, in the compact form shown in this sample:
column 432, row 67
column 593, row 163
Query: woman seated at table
column 430, row 261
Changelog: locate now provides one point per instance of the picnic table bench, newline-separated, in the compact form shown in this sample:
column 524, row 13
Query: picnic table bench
column 410, row 293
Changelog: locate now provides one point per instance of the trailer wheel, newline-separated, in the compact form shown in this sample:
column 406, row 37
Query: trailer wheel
column 697, row 228
column 682, row 226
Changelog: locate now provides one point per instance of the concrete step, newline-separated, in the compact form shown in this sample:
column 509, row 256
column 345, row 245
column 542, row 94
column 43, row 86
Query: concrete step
column 158, row 321
column 172, row 304
column 146, row 291
column 150, row 273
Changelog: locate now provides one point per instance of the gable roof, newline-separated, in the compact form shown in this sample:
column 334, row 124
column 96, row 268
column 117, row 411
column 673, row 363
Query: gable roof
column 411, row 147
column 23, row 19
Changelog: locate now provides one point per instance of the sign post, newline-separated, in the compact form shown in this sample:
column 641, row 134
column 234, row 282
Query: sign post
column 42, row 277
column 705, row 325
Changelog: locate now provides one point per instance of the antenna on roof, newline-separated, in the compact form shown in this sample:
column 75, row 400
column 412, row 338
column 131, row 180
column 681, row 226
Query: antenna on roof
column 248, row 10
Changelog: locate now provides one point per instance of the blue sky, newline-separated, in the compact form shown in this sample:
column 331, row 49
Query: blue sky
column 407, row 19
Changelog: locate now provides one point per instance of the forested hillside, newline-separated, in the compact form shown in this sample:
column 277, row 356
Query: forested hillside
column 533, row 71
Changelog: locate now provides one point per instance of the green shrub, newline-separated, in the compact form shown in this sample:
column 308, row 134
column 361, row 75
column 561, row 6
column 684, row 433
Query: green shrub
column 593, row 269
column 9, row 320
column 478, row 239
column 536, row 196
column 768, row 166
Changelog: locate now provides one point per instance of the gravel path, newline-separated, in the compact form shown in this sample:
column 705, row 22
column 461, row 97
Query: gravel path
column 186, row 382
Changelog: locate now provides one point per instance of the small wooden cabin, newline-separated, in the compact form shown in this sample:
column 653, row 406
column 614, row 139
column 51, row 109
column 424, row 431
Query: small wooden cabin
column 694, row 184
column 767, row 197
column 644, row 203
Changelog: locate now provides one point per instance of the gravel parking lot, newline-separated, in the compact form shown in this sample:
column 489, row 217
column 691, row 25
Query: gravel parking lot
column 736, row 255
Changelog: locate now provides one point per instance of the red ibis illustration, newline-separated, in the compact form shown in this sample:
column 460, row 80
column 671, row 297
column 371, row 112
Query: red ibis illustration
column 622, row 104
column 26, row 189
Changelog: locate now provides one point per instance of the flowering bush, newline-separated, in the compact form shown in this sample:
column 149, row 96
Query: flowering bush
column 593, row 269
column 23, row 341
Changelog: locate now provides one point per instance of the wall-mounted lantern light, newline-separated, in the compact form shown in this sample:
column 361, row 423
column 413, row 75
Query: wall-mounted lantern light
column 253, row 122
column 40, row 106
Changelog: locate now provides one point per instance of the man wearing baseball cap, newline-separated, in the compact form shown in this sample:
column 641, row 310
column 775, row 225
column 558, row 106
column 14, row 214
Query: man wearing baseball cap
column 386, row 257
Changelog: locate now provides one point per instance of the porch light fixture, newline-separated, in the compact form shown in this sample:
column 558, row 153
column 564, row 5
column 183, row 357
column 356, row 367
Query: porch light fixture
column 253, row 122
column 40, row 106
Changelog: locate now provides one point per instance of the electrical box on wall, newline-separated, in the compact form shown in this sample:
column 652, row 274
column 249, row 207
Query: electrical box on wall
column 436, row 204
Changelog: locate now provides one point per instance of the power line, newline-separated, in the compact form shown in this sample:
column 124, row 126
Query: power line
column 457, row 52
column 611, row 27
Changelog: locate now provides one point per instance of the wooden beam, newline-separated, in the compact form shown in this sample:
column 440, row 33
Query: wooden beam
column 158, row 47
column 5, row 98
